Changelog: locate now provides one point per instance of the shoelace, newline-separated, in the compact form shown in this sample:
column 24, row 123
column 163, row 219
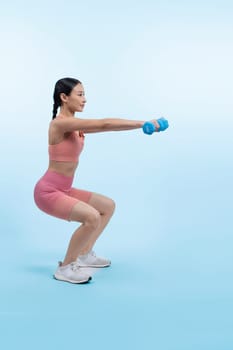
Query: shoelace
column 75, row 266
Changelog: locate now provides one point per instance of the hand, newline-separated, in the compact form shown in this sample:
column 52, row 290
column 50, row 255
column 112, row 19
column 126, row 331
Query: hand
column 156, row 124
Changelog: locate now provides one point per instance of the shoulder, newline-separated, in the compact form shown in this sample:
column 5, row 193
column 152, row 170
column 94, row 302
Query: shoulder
column 58, row 122
column 65, row 124
column 54, row 124
column 55, row 129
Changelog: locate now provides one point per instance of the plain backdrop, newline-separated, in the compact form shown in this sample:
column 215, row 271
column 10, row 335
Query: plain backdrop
column 170, row 240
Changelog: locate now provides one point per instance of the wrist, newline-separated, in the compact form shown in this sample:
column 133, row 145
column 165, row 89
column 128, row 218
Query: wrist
column 140, row 123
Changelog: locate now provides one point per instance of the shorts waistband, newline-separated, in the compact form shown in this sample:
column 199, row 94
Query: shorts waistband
column 57, row 179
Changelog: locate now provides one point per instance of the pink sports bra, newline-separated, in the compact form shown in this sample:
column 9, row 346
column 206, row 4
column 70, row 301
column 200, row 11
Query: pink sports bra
column 69, row 149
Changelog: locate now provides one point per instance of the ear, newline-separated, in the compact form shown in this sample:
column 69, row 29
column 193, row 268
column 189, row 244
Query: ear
column 63, row 97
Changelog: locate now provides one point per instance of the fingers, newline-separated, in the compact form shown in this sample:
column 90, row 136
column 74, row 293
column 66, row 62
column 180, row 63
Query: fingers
column 157, row 125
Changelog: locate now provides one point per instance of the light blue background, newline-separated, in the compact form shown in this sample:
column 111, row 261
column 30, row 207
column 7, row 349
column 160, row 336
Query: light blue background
column 170, row 285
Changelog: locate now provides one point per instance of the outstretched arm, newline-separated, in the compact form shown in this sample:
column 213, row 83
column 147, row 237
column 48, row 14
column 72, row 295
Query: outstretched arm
column 98, row 125
column 113, row 124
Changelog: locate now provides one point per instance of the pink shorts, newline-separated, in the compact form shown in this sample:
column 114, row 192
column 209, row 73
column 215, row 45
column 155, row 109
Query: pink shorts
column 54, row 195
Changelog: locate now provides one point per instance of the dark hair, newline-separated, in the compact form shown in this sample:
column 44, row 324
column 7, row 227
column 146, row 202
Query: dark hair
column 65, row 86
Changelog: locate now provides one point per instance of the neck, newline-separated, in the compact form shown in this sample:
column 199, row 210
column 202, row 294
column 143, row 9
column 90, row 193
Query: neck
column 66, row 112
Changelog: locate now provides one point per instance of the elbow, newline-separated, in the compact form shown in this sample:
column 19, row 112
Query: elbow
column 106, row 125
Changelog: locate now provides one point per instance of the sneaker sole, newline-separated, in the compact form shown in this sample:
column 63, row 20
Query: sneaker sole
column 62, row 278
column 97, row 266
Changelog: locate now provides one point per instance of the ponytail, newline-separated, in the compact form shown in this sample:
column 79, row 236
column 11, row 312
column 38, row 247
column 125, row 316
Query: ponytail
column 55, row 108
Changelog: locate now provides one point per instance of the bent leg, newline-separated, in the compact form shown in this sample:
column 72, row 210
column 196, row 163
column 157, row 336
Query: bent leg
column 105, row 207
column 94, row 217
column 90, row 219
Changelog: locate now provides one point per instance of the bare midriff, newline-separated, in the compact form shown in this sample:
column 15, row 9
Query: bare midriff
column 65, row 168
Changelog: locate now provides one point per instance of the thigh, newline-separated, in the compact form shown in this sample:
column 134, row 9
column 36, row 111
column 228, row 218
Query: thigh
column 51, row 195
column 101, row 203
column 55, row 203
column 81, row 195
column 83, row 212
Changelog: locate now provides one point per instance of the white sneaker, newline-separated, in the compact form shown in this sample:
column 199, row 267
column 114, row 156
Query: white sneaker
column 91, row 260
column 71, row 273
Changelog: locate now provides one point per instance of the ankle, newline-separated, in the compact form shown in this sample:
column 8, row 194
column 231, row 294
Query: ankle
column 65, row 263
column 84, row 252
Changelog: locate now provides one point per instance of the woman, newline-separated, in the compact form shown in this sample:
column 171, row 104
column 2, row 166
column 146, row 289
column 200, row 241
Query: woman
column 54, row 193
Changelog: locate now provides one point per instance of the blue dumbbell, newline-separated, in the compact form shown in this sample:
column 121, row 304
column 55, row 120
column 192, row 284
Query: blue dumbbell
column 149, row 127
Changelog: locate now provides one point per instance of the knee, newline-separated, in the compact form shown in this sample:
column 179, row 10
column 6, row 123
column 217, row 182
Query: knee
column 93, row 220
column 111, row 207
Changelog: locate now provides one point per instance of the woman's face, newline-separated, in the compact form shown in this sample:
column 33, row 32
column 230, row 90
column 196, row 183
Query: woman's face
column 76, row 100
